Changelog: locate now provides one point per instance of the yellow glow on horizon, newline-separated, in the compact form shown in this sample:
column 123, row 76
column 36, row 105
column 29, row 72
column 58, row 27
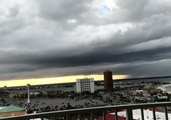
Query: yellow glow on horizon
column 53, row 80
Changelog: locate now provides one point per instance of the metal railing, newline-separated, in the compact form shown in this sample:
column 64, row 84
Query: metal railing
column 90, row 112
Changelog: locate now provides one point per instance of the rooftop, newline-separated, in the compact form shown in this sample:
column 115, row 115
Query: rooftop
column 11, row 108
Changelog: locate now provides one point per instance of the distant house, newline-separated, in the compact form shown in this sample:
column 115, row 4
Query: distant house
column 162, row 98
column 11, row 110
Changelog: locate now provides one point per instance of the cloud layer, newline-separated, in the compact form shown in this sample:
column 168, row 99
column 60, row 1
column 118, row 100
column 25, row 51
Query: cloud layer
column 41, row 38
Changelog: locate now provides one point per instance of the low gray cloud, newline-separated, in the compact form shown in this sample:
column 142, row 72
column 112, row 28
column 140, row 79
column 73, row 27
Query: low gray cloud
column 58, row 38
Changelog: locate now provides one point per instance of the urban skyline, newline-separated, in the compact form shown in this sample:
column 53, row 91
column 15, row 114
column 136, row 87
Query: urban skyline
column 85, row 59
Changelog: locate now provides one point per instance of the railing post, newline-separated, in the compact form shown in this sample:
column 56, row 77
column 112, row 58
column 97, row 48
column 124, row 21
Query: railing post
column 104, row 115
column 116, row 115
column 154, row 113
column 129, row 115
column 166, row 112
column 67, row 117
column 79, row 117
column 142, row 113
column 91, row 116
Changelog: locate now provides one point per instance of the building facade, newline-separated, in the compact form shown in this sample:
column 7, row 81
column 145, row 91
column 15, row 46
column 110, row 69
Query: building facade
column 86, row 84
column 108, row 81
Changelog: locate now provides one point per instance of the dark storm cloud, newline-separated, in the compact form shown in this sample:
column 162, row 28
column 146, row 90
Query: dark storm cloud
column 143, row 69
column 96, row 57
column 99, row 57
column 63, row 9
column 63, row 12
column 57, row 38
column 137, row 11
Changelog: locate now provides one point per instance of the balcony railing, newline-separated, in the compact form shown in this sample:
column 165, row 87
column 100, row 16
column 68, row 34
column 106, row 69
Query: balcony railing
column 90, row 112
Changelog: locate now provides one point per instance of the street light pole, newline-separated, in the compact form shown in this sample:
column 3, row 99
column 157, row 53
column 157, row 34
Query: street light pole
column 28, row 93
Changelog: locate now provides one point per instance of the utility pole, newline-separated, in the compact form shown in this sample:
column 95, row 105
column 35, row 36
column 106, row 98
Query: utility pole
column 28, row 94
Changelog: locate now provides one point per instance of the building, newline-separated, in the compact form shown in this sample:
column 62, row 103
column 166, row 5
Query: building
column 108, row 81
column 11, row 110
column 86, row 84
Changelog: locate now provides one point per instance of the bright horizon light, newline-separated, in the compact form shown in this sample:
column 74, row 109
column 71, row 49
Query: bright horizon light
column 54, row 80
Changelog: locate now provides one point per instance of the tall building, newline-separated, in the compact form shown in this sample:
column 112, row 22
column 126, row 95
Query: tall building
column 108, row 81
column 86, row 84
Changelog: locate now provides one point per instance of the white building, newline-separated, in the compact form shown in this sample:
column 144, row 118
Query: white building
column 86, row 84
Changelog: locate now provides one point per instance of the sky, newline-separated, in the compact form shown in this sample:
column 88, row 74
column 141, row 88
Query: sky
column 43, row 39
